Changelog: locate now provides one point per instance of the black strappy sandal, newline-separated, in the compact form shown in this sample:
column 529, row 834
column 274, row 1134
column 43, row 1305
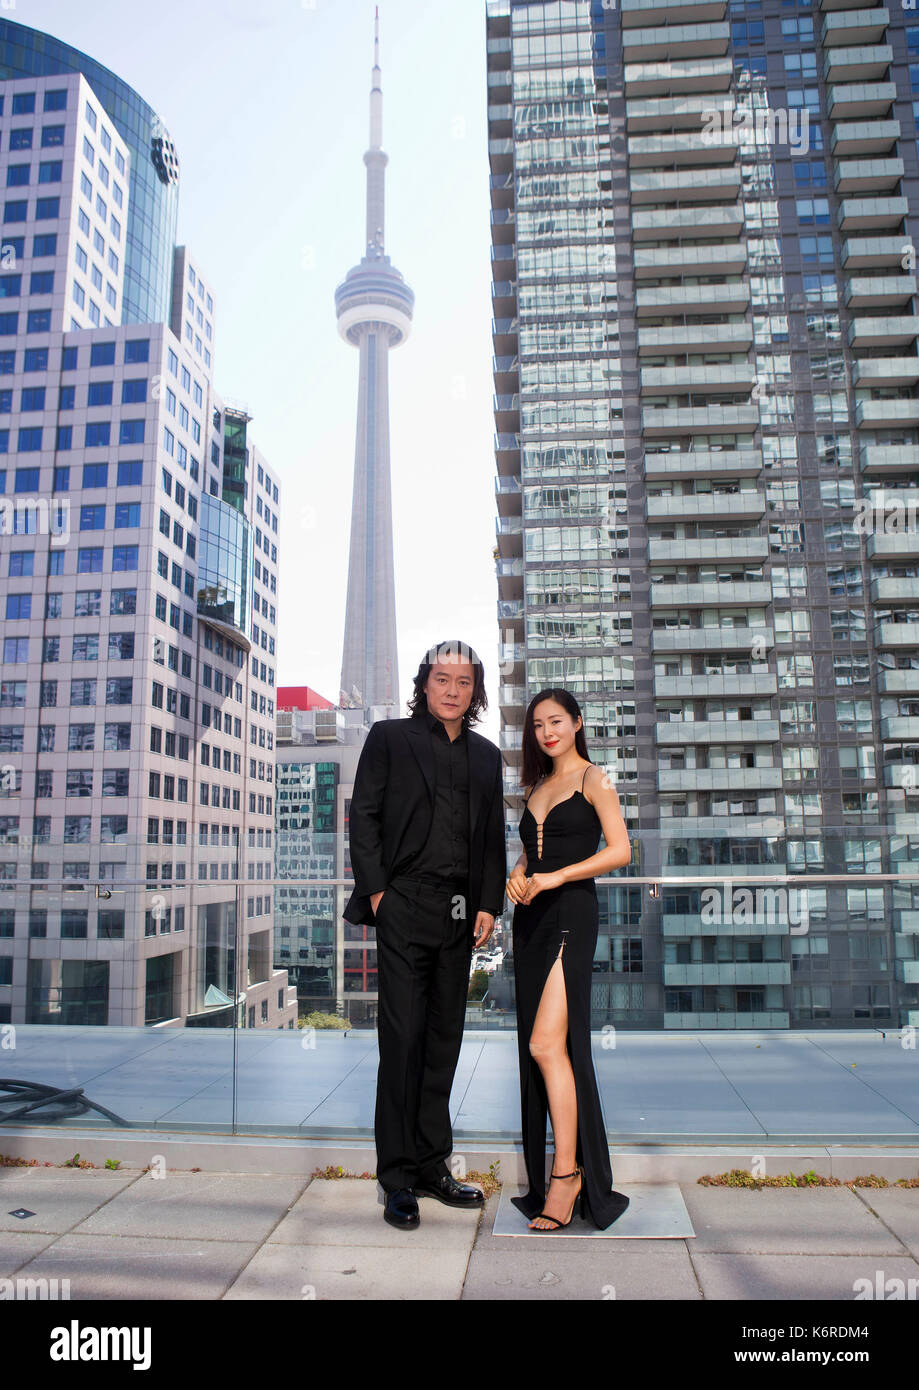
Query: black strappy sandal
column 561, row 1225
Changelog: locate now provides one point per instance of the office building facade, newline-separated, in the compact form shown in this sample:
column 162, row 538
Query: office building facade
column 331, row 962
column 139, row 564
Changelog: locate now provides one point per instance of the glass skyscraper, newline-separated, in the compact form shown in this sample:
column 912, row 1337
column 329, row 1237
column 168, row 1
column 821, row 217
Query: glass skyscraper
column 707, row 446
column 138, row 568
column 153, row 194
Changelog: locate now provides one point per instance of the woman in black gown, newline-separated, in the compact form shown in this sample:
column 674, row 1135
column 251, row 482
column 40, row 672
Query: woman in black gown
column 570, row 804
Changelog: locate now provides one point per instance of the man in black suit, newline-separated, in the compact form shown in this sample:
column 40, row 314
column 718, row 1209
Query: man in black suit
column 428, row 854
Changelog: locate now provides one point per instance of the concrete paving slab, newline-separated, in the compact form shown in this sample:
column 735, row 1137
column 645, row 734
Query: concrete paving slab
column 60, row 1198
column 348, row 1211
column 666, row 1163
column 119, row 1267
column 795, row 1278
column 17, row 1248
column 654, row 1269
column 788, row 1221
column 351, row 1272
column 898, row 1208
column 655, row 1212
column 571, row 1269
column 198, row 1206
column 888, row 1163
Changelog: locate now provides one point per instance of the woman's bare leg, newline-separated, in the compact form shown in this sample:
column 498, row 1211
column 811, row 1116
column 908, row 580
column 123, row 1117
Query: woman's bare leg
column 548, row 1048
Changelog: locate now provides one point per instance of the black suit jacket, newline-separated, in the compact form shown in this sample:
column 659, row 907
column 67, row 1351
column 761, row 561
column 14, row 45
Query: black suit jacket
column 392, row 806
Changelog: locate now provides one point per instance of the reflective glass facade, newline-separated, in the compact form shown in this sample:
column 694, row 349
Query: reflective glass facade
column 224, row 563
column 154, row 196
column 307, row 916
column 705, row 378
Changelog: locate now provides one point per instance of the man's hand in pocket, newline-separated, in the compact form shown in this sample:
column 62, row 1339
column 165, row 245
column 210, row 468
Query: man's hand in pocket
column 375, row 900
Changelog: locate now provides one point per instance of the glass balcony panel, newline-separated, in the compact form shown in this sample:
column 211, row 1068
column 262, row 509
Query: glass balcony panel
column 883, row 332
column 675, row 41
column 867, row 175
column 852, row 100
column 857, row 64
column 695, row 337
column 708, row 548
column 865, row 214
column 661, row 223
column 736, row 419
column 685, row 185
column 702, row 463
column 864, row 137
column 637, row 13
column 885, row 371
column 691, row 299
column 877, row 414
column 687, row 75
column 859, row 26
column 880, row 291
column 865, row 252
column 729, row 258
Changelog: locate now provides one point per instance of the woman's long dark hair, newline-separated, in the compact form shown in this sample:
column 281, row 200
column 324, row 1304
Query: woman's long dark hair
column 536, row 763
column 418, row 704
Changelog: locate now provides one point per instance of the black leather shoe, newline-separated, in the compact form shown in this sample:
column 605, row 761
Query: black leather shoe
column 401, row 1209
column 447, row 1189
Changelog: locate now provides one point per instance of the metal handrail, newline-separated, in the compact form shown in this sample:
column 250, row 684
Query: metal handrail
column 668, row 880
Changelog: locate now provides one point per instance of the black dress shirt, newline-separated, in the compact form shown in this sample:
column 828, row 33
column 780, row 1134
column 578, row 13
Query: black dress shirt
column 446, row 851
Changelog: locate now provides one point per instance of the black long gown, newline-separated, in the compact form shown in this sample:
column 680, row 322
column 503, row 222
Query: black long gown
column 566, row 916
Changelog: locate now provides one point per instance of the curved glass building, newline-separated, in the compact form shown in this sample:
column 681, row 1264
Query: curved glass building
column 154, row 189
column 224, row 562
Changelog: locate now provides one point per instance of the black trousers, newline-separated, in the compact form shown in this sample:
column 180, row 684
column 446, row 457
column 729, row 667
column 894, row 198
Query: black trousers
column 424, row 946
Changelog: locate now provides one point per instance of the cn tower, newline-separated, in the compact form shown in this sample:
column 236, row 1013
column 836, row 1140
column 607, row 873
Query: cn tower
column 374, row 307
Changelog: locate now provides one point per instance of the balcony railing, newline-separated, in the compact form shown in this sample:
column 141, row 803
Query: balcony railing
column 746, row 502
column 864, row 137
column 864, row 214
column 850, row 100
column 865, row 252
column 867, row 175
column 695, row 337
column 734, row 419
column 659, row 224
column 883, row 332
column 703, row 463
column 714, row 933
column 857, row 64
column 860, row 26
column 880, row 291
column 729, row 258
column 641, row 12
column 675, row 41
column 687, row 75
column 885, row 371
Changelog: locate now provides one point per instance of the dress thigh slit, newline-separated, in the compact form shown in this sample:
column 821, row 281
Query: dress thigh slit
column 591, row 1151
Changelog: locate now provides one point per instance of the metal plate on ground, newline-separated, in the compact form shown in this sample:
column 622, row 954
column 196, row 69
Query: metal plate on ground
column 656, row 1211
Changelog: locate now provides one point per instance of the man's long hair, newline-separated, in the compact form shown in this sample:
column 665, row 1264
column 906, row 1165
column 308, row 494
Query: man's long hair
column 418, row 704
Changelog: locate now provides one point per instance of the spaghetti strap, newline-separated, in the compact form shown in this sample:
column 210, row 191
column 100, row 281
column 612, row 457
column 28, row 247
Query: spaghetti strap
column 526, row 799
column 582, row 780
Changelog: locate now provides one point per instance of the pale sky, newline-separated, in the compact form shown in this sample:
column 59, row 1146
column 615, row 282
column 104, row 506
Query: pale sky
column 267, row 103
